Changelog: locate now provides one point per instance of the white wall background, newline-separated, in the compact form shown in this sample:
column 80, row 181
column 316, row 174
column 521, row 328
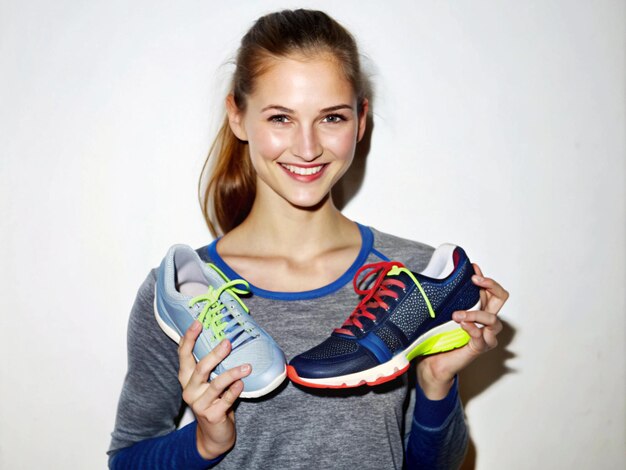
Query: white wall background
column 499, row 125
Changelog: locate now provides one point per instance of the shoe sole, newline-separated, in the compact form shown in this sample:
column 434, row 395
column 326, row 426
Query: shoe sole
column 176, row 336
column 440, row 339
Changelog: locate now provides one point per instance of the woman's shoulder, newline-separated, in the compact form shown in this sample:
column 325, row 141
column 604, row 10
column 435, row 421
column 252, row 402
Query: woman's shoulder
column 413, row 254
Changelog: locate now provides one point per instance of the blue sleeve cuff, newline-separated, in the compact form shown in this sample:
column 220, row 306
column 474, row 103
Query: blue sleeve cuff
column 433, row 413
column 195, row 459
column 176, row 450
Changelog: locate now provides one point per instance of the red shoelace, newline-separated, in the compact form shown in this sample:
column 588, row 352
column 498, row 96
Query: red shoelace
column 373, row 296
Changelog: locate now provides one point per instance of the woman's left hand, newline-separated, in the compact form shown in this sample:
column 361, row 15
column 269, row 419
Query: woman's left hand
column 436, row 373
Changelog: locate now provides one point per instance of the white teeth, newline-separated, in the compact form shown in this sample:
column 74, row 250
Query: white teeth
column 303, row 171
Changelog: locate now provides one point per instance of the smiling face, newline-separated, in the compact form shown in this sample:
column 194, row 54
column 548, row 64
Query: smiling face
column 302, row 124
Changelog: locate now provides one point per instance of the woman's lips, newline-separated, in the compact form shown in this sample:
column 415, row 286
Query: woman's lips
column 304, row 173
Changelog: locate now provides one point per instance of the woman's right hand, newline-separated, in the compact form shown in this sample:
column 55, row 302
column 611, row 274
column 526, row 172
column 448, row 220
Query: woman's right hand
column 211, row 402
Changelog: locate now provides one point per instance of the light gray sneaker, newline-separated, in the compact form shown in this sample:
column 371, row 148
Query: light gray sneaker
column 189, row 289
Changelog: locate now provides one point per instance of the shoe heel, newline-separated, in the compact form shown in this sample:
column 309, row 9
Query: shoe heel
column 440, row 343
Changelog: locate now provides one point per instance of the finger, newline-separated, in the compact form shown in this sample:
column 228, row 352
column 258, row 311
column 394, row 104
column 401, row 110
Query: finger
column 185, row 352
column 497, row 294
column 491, row 286
column 490, row 335
column 487, row 340
column 487, row 319
column 198, row 383
column 477, row 342
column 208, row 363
column 219, row 387
column 484, row 298
column 477, row 270
column 230, row 395
column 220, row 409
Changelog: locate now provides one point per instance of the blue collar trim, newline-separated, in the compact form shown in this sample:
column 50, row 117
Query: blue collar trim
column 367, row 242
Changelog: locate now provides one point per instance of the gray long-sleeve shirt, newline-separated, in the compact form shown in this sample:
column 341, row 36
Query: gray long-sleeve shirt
column 293, row 427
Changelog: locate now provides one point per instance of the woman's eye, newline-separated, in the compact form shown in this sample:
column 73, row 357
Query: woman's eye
column 333, row 118
column 278, row 118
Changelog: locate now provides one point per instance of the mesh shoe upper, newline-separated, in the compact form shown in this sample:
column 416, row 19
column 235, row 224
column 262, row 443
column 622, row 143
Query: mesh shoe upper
column 397, row 308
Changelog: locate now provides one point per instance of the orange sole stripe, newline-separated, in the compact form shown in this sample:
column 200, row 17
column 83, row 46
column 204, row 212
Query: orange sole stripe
column 293, row 376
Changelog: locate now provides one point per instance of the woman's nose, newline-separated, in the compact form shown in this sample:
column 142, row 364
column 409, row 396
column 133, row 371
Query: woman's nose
column 307, row 144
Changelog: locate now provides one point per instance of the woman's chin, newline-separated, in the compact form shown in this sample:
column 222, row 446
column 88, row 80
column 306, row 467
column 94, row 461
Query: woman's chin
column 310, row 202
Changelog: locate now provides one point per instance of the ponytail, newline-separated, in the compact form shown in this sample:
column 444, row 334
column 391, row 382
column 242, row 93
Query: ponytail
column 227, row 196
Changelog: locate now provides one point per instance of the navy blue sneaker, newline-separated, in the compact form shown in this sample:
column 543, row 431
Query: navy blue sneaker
column 188, row 289
column 402, row 315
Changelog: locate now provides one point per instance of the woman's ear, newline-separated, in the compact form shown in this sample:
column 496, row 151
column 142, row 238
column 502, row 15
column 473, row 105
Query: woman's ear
column 364, row 109
column 235, row 118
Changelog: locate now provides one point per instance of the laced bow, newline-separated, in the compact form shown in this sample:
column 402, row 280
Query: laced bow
column 373, row 296
column 215, row 319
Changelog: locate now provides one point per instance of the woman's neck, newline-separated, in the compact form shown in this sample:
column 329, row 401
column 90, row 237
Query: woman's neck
column 294, row 232
column 292, row 249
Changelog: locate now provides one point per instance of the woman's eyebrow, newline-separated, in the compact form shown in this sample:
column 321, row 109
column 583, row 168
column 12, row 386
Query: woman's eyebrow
column 336, row 108
column 283, row 109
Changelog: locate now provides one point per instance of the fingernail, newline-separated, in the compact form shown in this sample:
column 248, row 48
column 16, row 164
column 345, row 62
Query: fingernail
column 459, row 316
column 245, row 368
column 478, row 278
column 196, row 325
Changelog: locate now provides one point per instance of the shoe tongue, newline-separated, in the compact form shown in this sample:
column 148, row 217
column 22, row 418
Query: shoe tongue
column 378, row 311
column 405, row 278
column 225, row 299
column 236, row 333
column 228, row 313
column 351, row 328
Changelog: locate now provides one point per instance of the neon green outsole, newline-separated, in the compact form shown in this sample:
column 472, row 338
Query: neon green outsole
column 440, row 343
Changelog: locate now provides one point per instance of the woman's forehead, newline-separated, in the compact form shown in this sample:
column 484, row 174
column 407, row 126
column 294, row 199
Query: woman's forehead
column 300, row 80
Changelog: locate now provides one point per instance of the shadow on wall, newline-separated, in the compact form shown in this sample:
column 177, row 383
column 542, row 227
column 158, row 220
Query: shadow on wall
column 480, row 375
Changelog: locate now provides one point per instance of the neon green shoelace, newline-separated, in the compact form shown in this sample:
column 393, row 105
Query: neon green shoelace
column 213, row 316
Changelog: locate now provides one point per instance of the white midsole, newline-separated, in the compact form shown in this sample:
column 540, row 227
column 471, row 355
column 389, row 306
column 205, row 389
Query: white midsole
column 386, row 369
column 268, row 388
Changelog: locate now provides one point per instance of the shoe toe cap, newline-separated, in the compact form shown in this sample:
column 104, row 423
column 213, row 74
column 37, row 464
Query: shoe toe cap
column 266, row 359
column 331, row 360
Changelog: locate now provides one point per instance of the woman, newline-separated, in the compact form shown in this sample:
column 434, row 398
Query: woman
column 297, row 109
